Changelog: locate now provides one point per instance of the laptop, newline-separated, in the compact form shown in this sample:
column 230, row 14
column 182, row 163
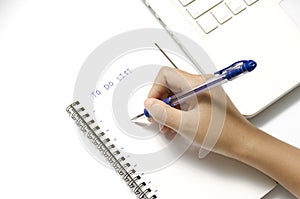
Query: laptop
column 267, row 31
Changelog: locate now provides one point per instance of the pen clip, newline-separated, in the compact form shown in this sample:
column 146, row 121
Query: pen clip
column 232, row 66
column 236, row 69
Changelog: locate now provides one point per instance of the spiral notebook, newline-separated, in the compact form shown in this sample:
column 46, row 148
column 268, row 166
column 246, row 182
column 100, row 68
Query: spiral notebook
column 188, row 177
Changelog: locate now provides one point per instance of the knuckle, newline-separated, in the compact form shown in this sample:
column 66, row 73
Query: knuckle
column 165, row 70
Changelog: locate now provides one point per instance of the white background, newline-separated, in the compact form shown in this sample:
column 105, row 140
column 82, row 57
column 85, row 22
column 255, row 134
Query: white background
column 42, row 47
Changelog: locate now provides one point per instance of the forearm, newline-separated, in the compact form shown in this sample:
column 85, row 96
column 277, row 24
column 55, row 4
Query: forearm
column 273, row 157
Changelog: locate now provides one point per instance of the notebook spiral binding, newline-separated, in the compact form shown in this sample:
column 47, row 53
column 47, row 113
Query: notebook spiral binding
column 113, row 156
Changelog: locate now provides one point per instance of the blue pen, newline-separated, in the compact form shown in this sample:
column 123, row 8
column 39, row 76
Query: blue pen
column 227, row 74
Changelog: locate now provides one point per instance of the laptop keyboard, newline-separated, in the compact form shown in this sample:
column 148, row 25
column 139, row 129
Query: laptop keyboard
column 209, row 14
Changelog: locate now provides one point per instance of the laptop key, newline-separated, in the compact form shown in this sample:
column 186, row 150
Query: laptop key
column 185, row 2
column 250, row 2
column 199, row 7
column 236, row 6
column 207, row 22
column 221, row 13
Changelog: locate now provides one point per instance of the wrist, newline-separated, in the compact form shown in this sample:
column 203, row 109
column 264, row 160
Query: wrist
column 251, row 146
column 244, row 141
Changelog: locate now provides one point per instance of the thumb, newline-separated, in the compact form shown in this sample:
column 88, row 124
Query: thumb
column 163, row 113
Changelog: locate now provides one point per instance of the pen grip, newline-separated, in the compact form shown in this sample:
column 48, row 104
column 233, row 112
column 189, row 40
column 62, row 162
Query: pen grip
column 166, row 100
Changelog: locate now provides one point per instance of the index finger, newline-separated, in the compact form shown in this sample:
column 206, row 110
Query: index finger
column 169, row 80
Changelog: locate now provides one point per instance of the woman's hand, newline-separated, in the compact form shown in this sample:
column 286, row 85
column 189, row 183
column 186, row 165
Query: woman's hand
column 212, row 121
column 209, row 119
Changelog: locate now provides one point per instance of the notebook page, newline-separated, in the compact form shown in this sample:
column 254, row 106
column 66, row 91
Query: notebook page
column 175, row 176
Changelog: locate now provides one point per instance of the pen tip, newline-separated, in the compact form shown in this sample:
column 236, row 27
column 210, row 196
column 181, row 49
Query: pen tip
column 137, row 117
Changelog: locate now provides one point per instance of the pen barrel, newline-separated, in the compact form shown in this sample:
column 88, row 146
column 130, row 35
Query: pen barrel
column 211, row 83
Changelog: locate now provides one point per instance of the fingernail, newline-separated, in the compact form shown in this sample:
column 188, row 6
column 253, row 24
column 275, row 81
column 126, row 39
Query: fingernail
column 164, row 130
column 148, row 103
